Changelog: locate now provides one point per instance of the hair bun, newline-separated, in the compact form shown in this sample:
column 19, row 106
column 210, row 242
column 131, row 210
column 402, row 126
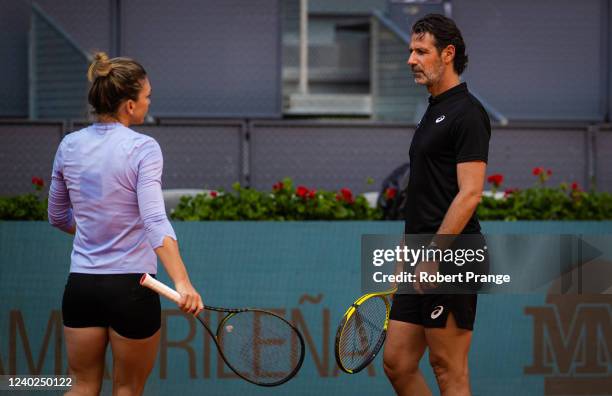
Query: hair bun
column 99, row 67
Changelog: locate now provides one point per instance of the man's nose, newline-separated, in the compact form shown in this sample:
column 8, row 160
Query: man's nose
column 411, row 61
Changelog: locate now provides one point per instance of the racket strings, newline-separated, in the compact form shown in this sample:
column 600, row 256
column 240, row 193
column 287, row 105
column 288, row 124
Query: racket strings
column 260, row 346
column 361, row 333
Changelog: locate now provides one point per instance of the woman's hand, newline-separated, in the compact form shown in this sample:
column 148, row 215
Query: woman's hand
column 191, row 302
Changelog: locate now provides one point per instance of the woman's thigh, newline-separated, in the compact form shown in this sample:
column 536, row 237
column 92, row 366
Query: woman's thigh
column 86, row 348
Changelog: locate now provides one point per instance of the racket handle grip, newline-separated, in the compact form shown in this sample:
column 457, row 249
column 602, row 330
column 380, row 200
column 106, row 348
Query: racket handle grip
column 158, row 287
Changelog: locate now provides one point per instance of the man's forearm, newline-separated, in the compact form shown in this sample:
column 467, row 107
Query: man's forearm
column 459, row 213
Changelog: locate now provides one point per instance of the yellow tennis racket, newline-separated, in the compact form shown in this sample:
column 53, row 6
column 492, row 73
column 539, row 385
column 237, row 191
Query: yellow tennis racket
column 362, row 331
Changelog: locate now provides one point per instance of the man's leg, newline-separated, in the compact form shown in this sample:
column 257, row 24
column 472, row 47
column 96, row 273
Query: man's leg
column 448, row 356
column 404, row 348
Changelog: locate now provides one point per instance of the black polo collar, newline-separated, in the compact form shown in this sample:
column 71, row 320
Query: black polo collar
column 457, row 89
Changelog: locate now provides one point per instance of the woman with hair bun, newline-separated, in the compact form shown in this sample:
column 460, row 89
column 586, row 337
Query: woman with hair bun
column 106, row 190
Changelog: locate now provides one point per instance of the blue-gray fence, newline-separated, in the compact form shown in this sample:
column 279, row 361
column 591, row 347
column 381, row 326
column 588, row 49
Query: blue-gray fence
column 331, row 155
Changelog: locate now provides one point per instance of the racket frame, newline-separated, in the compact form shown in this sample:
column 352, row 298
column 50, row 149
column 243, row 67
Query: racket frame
column 345, row 319
column 148, row 281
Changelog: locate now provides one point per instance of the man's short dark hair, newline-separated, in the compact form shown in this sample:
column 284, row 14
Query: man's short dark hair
column 445, row 33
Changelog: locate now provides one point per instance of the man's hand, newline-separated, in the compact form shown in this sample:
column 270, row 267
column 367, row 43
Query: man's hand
column 427, row 267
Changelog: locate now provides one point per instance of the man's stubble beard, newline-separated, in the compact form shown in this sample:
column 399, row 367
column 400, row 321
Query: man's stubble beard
column 434, row 76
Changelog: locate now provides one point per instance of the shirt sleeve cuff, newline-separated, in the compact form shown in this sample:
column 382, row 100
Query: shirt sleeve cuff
column 159, row 232
column 469, row 158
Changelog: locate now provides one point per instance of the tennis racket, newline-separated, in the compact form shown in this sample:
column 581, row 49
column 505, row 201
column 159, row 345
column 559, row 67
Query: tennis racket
column 259, row 346
column 362, row 331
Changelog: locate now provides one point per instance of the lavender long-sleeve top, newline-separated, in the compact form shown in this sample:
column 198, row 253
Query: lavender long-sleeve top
column 107, row 179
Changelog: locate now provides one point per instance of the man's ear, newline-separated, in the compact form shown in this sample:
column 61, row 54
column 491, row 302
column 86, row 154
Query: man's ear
column 448, row 54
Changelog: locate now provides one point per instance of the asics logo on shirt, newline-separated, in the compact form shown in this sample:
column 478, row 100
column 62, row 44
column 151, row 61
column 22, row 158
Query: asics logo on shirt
column 437, row 312
column 440, row 119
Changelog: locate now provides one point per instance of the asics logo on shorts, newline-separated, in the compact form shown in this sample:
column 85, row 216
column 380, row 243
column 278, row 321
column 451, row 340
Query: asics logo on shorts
column 440, row 119
column 437, row 312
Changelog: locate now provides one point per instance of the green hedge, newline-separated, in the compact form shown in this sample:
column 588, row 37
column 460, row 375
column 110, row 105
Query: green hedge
column 547, row 204
column 565, row 202
column 285, row 202
column 31, row 206
column 23, row 207
column 282, row 203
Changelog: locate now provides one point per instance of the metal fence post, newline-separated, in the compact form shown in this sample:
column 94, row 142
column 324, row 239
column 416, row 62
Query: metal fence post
column 591, row 156
column 245, row 148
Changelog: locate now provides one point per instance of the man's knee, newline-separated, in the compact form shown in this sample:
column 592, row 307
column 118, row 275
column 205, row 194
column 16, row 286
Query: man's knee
column 449, row 373
column 396, row 365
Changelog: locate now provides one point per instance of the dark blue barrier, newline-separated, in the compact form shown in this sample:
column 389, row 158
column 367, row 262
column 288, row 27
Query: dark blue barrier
column 308, row 271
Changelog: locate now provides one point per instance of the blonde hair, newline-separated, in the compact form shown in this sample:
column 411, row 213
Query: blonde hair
column 113, row 81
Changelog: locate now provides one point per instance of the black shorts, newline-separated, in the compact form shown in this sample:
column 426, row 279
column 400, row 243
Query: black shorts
column 431, row 310
column 117, row 301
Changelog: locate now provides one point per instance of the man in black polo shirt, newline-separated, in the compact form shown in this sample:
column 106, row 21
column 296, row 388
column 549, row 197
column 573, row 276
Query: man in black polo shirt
column 448, row 158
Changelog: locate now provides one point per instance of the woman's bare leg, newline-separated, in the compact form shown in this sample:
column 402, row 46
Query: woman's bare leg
column 86, row 348
column 133, row 360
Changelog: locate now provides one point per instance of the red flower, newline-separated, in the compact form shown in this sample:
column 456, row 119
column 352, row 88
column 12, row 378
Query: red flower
column 510, row 191
column 278, row 186
column 301, row 191
column 542, row 174
column 37, row 181
column 213, row 194
column 575, row 186
column 390, row 193
column 345, row 195
column 312, row 194
column 496, row 179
